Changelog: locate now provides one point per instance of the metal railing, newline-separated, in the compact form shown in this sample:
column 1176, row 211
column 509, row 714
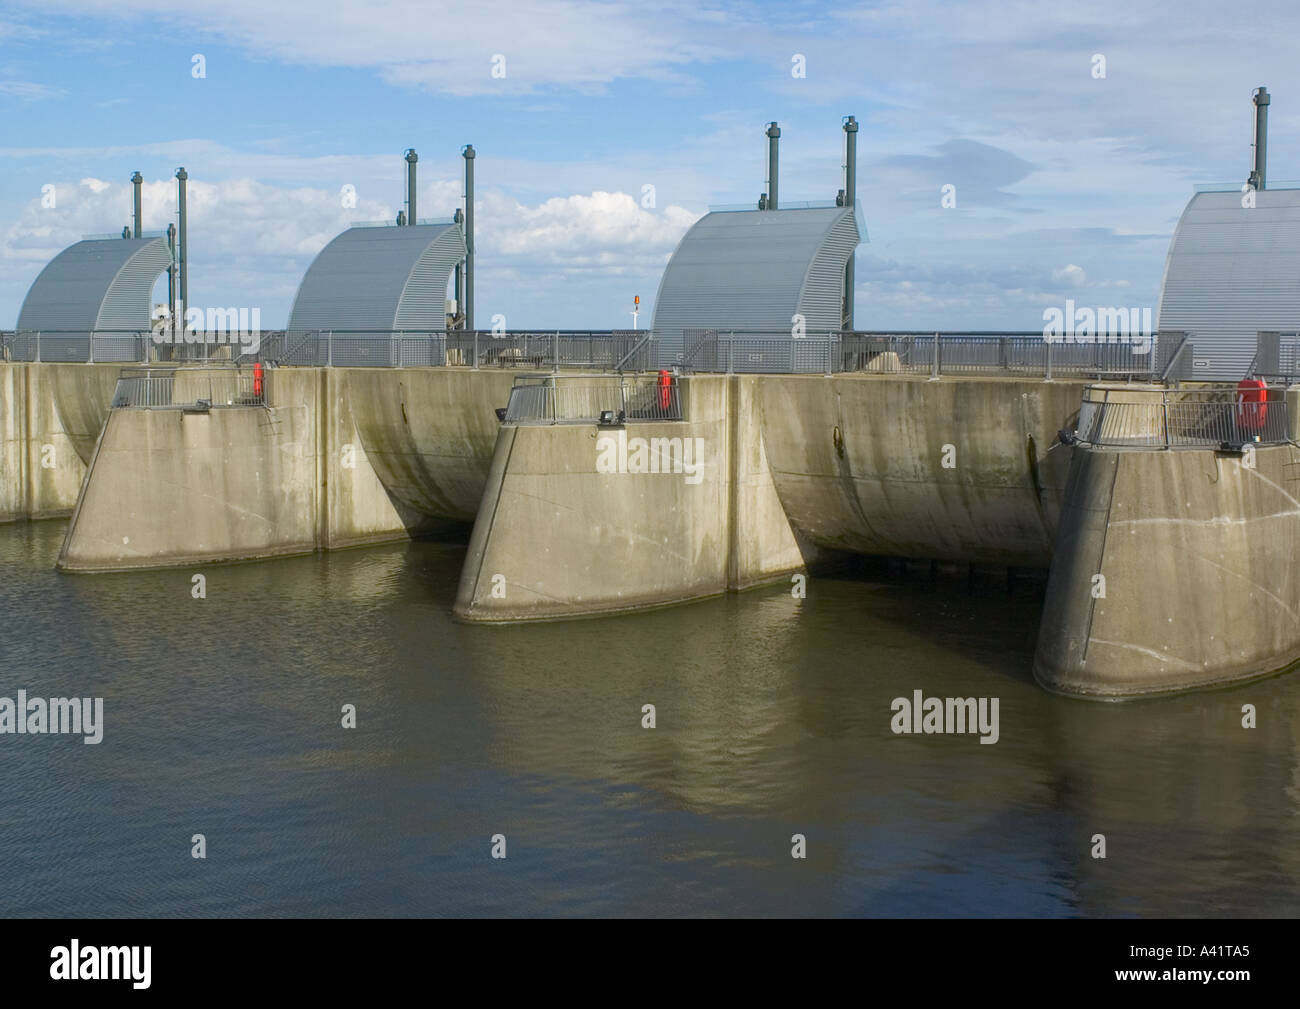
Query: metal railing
column 757, row 352
column 191, row 388
column 933, row 354
column 201, row 347
column 76, row 346
column 1174, row 359
column 106, row 346
column 574, row 399
column 354, row 348
column 1167, row 356
column 611, row 350
column 1210, row 416
column 1277, row 357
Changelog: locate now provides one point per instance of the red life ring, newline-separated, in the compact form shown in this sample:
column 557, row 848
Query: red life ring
column 1252, row 404
column 257, row 379
column 665, row 389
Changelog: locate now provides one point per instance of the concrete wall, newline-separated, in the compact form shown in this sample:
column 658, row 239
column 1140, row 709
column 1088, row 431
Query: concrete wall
column 555, row 537
column 794, row 464
column 170, row 488
column 1197, row 550
column 1198, row 553
column 50, row 418
column 82, row 394
column 13, row 442
column 429, row 433
column 764, row 545
column 859, row 463
column 352, row 506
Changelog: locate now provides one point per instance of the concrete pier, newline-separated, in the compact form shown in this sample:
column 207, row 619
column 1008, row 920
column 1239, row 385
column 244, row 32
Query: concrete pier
column 1170, row 567
column 955, row 469
column 573, row 524
column 167, row 487
column 50, row 419
column 1173, row 570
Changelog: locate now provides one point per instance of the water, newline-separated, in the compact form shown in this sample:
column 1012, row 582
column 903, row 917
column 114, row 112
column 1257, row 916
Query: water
column 223, row 718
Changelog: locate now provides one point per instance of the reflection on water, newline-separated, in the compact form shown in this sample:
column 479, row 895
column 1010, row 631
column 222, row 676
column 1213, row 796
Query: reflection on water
column 223, row 718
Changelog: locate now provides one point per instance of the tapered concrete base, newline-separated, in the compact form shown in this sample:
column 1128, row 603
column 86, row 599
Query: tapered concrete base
column 1173, row 570
column 339, row 458
column 579, row 520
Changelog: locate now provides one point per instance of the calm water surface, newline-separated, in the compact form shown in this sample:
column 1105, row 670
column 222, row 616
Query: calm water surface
column 223, row 718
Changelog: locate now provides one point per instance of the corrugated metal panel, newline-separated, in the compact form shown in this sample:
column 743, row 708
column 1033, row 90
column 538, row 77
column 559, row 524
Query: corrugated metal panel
column 1232, row 271
column 360, row 280
column 754, row 270
column 127, row 301
column 821, row 303
column 96, row 284
column 425, row 295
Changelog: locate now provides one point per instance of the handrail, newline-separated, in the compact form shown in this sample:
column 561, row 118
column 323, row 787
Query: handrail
column 1175, row 358
column 1208, row 417
column 936, row 354
column 1277, row 356
column 644, row 341
column 577, row 399
column 225, row 385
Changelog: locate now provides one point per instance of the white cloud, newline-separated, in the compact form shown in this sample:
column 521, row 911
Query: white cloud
column 251, row 242
column 29, row 91
column 582, row 44
column 600, row 230
column 1071, row 276
column 1112, row 159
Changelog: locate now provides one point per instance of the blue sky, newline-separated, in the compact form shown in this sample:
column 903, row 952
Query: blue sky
column 1067, row 185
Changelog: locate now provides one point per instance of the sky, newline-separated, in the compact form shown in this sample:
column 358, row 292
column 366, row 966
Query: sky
column 604, row 130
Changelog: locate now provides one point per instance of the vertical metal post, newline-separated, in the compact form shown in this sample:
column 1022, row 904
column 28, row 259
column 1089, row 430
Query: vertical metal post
column 475, row 348
column 850, row 197
column 136, row 180
column 411, row 159
column 181, row 177
column 460, row 297
column 38, row 346
column 1048, row 370
column 731, row 351
column 555, row 352
column 934, row 358
column 1261, row 101
column 468, row 155
column 171, row 280
column 773, row 139
column 329, row 347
